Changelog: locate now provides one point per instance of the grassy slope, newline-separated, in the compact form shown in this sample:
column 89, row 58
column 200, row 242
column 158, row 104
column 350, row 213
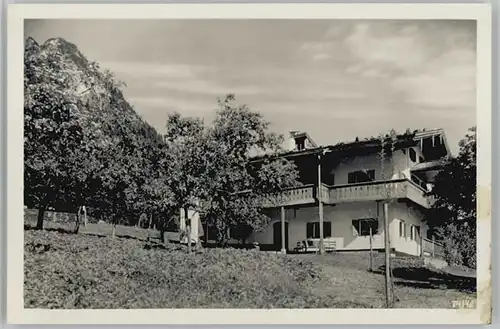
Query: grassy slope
column 414, row 286
column 92, row 270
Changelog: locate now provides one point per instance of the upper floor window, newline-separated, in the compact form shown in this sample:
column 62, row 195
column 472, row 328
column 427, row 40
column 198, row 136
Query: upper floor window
column 413, row 155
column 361, row 176
column 328, row 178
column 301, row 144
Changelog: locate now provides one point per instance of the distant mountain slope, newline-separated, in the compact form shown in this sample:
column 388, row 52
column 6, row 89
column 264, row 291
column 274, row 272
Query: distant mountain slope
column 79, row 130
column 86, row 73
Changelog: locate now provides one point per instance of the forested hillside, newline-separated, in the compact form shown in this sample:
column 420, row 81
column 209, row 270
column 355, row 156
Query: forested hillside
column 84, row 144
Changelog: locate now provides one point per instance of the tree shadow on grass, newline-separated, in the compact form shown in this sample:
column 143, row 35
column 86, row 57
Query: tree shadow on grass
column 97, row 235
column 130, row 237
column 61, row 230
column 425, row 278
column 467, row 286
column 119, row 236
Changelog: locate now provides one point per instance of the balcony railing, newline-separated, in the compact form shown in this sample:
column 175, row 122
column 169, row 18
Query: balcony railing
column 378, row 190
column 293, row 196
column 368, row 191
column 432, row 248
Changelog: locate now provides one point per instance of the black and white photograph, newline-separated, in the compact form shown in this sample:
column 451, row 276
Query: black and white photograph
column 251, row 164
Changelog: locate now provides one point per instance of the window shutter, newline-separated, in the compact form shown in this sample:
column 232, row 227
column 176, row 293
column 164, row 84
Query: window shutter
column 355, row 227
column 327, row 229
column 413, row 155
column 316, row 230
column 309, row 233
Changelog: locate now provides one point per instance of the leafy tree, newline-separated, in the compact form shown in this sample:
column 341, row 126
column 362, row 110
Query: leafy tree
column 85, row 162
column 209, row 169
column 84, row 144
column 237, row 184
column 453, row 215
column 185, row 165
column 156, row 193
column 51, row 128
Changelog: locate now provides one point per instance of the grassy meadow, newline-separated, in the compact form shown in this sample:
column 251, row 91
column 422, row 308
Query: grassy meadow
column 91, row 269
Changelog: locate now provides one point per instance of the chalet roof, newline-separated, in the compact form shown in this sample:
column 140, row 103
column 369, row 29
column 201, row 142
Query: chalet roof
column 299, row 134
column 402, row 141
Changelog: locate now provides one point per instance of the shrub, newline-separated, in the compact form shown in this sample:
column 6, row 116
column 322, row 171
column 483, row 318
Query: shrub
column 459, row 245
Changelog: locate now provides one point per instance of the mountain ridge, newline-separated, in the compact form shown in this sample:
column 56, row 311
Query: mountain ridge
column 84, row 71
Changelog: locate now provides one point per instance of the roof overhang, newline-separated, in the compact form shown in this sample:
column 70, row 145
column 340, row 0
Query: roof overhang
column 433, row 144
column 428, row 170
column 429, row 166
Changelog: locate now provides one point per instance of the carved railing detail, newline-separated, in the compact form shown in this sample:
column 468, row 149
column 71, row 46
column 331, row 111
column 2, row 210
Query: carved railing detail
column 368, row 191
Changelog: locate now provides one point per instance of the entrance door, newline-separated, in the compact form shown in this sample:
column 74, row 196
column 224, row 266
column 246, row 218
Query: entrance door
column 277, row 235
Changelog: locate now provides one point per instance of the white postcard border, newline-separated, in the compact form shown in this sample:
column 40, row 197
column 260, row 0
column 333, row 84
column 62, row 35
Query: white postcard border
column 16, row 13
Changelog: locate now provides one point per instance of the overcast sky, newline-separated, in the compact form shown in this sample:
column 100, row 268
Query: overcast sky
column 335, row 79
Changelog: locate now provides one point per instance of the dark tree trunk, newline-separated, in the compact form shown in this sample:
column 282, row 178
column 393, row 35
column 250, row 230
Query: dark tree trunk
column 39, row 220
column 77, row 224
column 114, row 219
column 222, row 236
column 162, row 225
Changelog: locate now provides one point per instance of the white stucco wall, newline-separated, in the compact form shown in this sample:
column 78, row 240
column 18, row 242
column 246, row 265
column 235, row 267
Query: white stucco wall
column 400, row 163
column 410, row 216
column 341, row 217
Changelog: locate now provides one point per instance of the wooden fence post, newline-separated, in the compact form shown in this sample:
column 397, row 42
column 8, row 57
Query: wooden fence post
column 371, row 250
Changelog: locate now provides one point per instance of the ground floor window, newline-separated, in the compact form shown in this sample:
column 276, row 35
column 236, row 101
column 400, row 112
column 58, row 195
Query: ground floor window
column 313, row 230
column 210, row 232
column 362, row 226
column 414, row 232
column 402, row 229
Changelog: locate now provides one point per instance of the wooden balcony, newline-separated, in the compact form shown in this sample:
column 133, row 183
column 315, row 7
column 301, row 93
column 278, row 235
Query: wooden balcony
column 368, row 191
column 304, row 194
column 374, row 191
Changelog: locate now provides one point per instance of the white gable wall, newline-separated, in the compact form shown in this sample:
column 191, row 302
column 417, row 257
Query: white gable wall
column 393, row 167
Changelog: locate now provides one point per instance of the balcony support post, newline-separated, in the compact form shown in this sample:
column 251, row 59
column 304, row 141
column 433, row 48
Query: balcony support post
column 387, row 256
column 283, row 229
column 421, row 246
column 320, row 207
